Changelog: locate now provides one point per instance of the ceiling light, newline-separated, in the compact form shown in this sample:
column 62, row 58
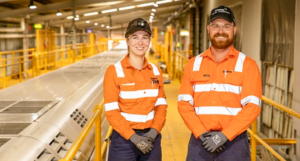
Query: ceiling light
column 76, row 18
column 165, row 1
column 152, row 14
column 102, row 25
column 111, row 10
column 31, row 5
column 107, row 27
column 70, row 17
column 126, row 8
column 91, row 14
column 96, row 24
column 58, row 13
column 145, row 4
column 87, row 21
column 153, row 10
column 150, row 20
column 155, row 5
column 151, row 17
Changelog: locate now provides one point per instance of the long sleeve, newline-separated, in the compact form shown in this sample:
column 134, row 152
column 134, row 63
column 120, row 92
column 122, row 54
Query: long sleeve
column 250, row 100
column 112, row 109
column 160, row 107
column 186, row 104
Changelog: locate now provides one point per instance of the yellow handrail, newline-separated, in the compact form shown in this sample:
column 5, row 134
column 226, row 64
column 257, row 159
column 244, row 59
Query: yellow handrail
column 280, row 106
column 38, row 62
column 75, row 147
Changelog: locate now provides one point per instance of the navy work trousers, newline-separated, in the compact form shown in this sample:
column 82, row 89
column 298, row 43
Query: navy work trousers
column 124, row 150
column 236, row 150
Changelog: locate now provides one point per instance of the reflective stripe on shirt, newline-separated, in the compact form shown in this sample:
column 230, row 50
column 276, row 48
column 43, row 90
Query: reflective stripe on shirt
column 111, row 106
column 138, row 118
column 119, row 69
column 186, row 97
column 217, row 87
column 251, row 99
column 160, row 101
column 138, row 94
column 240, row 63
column 197, row 63
column 154, row 68
column 217, row 110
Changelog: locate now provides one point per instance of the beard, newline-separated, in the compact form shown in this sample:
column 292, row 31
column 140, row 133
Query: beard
column 221, row 44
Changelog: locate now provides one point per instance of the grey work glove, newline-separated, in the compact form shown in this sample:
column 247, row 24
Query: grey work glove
column 151, row 134
column 143, row 143
column 216, row 140
column 206, row 136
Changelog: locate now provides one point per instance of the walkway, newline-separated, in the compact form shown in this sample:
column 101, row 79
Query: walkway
column 175, row 134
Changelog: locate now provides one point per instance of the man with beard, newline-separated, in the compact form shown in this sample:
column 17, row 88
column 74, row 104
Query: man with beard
column 220, row 95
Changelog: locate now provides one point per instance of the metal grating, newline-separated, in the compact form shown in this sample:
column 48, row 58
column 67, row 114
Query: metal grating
column 12, row 128
column 3, row 141
column 32, row 104
column 22, row 110
column 5, row 103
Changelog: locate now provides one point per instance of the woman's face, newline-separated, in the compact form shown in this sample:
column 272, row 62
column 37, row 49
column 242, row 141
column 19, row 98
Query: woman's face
column 138, row 43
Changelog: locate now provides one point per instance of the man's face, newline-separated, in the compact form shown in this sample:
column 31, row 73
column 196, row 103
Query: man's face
column 221, row 33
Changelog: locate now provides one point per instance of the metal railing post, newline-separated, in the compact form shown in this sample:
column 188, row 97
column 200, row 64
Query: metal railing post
column 98, row 135
column 253, row 141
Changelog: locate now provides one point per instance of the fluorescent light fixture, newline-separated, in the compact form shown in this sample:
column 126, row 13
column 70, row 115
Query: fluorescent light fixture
column 87, row 21
column 155, row 5
column 150, row 20
column 91, row 14
column 165, row 1
column 152, row 14
column 151, row 17
column 107, row 27
column 111, row 10
column 184, row 32
column 71, row 17
column 126, row 8
column 96, row 24
column 102, row 25
column 145, row 4
column 153, row 10
column 76, row 18
column 31, row 5
column 58, row 13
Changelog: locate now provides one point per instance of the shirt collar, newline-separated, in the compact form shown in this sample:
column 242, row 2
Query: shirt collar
column 232, row 52
column 126, row 63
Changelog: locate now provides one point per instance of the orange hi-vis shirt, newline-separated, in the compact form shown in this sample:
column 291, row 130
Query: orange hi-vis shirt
column 134, row 99
column 224, row 96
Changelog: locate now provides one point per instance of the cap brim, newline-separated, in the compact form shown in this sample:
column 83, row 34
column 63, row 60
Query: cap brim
column 137, row 29
column 227, row 18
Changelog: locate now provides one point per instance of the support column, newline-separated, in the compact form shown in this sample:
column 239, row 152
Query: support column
column 25, row 43
column 62, row 37
column 296, row 90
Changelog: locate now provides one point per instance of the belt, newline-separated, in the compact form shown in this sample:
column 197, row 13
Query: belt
column 142, row 130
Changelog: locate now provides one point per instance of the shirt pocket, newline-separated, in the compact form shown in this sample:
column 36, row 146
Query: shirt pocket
column 128, row 93
column 232, row 85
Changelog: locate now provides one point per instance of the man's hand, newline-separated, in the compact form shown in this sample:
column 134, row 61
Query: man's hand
column 143, row 143
column 206, row 136
column 215, row 142
column 151, row 134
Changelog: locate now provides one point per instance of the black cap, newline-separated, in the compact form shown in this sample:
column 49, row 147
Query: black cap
column 138, row 24
column 222, row 12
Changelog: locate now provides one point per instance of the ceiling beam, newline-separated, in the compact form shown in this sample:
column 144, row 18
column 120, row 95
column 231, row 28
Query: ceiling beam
column 49, row 7
column 53, row 17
